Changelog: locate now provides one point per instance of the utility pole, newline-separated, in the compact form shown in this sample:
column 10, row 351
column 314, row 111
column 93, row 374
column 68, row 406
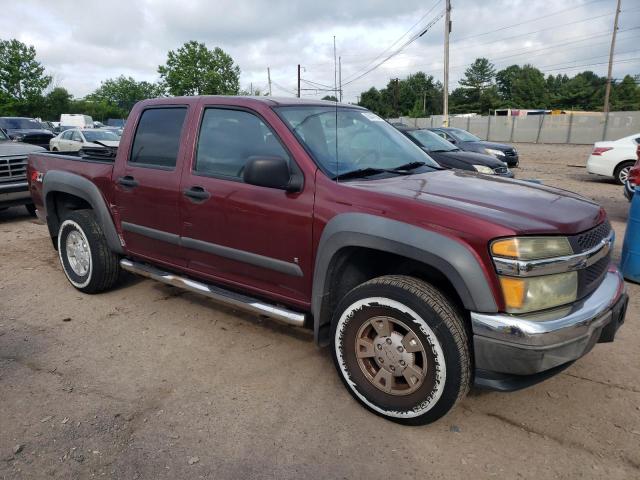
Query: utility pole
column 269, row 79
column 424, row 102
column 445, row 91
column 607, row 91
column 298, row 80
column 340, row 76
column 395, row 97
column 251, row 88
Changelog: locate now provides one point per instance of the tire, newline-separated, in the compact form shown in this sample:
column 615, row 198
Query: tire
column 621, row 173
column 54, row 149
column 420, row 319
column 31, row 209
column 86, row 259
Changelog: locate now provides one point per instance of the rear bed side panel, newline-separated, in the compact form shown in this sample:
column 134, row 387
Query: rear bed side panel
column 87, row 179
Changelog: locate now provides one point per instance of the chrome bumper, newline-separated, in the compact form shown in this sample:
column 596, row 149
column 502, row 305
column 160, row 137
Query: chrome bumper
column 529, row 344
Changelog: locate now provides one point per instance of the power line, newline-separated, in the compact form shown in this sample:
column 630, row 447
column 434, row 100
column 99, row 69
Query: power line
column 529, row 21
column 389, row 57
column 404, row 34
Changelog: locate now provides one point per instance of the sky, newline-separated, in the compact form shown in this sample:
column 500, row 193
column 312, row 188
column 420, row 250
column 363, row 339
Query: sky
column 83, row 43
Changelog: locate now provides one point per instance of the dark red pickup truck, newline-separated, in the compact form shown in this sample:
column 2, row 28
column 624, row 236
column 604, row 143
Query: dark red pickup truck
column 423, row 281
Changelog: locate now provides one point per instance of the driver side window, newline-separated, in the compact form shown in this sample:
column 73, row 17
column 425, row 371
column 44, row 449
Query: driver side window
column 228, row 138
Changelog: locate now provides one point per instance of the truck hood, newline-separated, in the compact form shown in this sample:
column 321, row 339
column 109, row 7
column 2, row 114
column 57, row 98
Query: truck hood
column 524, row 207
column 16, row 148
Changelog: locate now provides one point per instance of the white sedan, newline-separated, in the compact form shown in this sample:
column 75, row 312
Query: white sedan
column 614, row 159
column 74, row 139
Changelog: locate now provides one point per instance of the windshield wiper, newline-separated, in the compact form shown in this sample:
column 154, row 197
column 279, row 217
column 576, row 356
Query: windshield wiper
column 408, row 166
column 366, row 172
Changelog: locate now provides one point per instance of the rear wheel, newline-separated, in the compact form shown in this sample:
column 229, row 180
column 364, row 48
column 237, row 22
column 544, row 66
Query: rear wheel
column 401, row 349
column 86, row 259
column 621, row 173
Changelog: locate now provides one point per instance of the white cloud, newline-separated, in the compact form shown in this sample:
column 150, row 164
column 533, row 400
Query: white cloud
column 83, row 43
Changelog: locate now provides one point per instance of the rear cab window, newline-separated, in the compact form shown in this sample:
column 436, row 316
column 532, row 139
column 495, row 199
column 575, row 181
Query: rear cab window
column 157, row 139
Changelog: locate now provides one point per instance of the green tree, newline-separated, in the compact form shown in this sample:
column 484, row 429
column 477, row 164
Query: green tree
column 522, row 87
column 125, row 92
column 626, row 95
column 477, row 91
column 22, row 77
column 195, row 70
column 331, row 98
column 56, row 102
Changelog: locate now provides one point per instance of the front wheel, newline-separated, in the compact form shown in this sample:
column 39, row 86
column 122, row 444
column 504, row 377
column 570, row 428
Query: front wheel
column 86, row 259
column 402, row 349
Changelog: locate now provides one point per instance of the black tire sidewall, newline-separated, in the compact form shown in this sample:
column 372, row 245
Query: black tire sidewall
column 72, row 223
column 390, row 406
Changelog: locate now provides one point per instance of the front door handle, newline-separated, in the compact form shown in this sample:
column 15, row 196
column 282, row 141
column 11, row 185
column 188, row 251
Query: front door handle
column 197, row 193
column 128, row 181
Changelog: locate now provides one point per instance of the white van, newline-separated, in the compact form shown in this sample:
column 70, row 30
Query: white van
column 76, row 120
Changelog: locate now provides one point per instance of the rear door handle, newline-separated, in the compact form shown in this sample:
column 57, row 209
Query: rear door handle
column 197, row 193
column 128, row 181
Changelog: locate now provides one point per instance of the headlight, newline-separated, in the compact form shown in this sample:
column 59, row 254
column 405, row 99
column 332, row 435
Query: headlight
column 484, row 169
column 495, row 153
column 522, row 295
column 531, row 248
column 532, row 293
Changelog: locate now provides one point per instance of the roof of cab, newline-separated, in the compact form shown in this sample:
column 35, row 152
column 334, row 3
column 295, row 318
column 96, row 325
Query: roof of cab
column 248, row 101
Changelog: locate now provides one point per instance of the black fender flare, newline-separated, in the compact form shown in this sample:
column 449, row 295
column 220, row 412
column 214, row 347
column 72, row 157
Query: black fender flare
column 79, row 186
column 452, row 258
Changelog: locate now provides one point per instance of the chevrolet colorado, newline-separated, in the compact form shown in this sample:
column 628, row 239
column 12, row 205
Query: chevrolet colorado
column 423, row 281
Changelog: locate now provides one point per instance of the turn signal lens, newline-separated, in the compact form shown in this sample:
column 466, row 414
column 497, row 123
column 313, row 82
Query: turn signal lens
column 513, row 290
column 524, row 295
column 531, row 248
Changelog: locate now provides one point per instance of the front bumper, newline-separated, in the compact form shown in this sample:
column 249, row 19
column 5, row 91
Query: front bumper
column 15, row 193
column 532, row 344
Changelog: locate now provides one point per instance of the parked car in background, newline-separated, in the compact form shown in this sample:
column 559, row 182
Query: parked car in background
column 422, row 280
column 470, row 143
column 14, row 189
column 26, row 130
column 117, row 130
column 450, row 156
column 633, row 179
column 74, row 139
column 116, row 122
column 77, row 120
column 614, row 158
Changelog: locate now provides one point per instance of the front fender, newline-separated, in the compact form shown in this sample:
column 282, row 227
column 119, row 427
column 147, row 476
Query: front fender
column 452, row 258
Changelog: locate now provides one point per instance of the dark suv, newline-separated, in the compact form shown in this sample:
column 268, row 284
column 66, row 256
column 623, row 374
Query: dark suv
column 26, row 130
column 470, row 143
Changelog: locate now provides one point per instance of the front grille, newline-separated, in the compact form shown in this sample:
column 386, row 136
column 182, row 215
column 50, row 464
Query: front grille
column 500, row 170
column 590, row 278
column 589, row 239
column 510, row 153
column 13, row 168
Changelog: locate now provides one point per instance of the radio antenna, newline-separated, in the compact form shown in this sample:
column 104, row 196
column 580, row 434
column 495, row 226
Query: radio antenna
column 335, row 91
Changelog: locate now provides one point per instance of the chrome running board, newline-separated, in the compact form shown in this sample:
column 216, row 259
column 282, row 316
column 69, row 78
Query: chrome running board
column 218, row 294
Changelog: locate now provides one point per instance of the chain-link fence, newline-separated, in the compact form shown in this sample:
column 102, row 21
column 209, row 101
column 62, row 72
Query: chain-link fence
column 576, row 128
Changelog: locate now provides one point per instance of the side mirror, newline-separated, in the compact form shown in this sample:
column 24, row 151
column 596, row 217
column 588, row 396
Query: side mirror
column 452, row 140
column 271, row 172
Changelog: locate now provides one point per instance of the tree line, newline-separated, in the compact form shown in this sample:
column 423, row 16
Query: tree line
column 193, row 69
column 483, row 89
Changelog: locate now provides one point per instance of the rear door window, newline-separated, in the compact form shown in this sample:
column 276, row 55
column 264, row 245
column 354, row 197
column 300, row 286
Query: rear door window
column 157, row 139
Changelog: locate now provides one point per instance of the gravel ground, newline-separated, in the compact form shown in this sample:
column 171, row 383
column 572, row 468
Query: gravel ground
column 149, row 382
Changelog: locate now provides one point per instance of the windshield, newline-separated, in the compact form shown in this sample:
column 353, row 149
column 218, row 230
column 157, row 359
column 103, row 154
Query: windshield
column 20, row 124
column 100, row 135
column 463, row 135
column 345, row 139
column 431, row 141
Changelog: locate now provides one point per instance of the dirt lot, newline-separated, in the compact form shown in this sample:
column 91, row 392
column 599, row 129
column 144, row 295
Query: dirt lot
column 149, row 382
